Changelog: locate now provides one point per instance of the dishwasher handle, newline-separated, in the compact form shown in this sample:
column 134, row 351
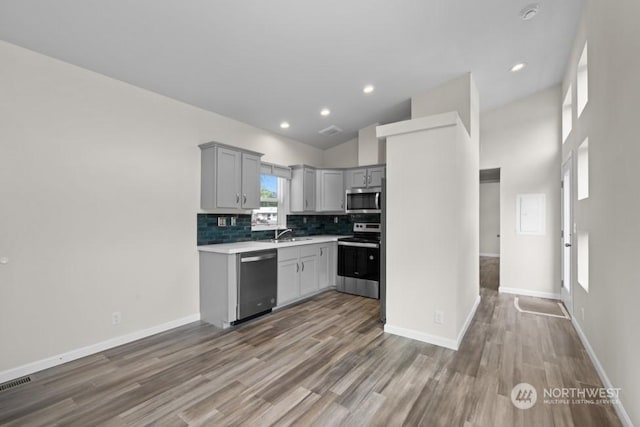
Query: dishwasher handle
column 258, row 258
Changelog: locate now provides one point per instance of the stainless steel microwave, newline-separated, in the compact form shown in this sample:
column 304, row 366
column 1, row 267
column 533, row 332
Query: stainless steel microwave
column 363, row 200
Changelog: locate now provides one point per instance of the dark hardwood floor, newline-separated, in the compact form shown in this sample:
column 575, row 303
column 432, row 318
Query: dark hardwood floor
column 324, row 362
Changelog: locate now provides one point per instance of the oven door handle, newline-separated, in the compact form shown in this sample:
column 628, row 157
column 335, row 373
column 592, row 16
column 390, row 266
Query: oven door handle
column 359, row 245
column 378, row 201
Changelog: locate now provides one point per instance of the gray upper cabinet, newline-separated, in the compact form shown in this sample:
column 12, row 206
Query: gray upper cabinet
column 329, row 190
column 250, row 181
column 374, row 176
column 303, row 189
column 364, row 177
column 230, row 178
column 356, row 177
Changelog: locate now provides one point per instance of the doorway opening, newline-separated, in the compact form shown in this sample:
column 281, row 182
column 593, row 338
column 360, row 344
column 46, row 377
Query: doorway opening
column 490, row 229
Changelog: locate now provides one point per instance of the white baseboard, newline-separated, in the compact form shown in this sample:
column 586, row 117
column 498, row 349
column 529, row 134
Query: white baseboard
column 435, row 339
column 490, row 255
column 59, row 359
column 467, row 322
column 528, row 293
column 421, row 336
column 622, row 413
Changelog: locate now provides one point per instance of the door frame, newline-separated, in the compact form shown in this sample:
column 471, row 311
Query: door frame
column 567, row 236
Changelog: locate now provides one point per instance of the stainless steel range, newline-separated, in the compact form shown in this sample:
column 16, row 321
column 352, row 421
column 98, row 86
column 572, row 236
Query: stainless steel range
column 359, row 261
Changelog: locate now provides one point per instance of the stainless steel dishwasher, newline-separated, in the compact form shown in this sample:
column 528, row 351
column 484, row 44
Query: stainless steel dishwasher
column 257, row 282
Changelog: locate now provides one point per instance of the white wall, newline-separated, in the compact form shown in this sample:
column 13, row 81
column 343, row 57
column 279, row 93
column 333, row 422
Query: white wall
column 432, row 254
column 368, row 146
column 523, row 140
column 344, row 155
column 98, row 204
column 452, row 95
column 610, row 213
column 489, row 218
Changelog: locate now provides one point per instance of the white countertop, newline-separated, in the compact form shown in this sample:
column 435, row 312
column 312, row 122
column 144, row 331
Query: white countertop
column 256, row 245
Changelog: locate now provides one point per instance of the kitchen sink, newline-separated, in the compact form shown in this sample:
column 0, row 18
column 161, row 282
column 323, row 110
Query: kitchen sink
column 288, row 240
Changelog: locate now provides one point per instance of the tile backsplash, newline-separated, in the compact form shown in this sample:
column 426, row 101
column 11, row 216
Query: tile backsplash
column 209, row 232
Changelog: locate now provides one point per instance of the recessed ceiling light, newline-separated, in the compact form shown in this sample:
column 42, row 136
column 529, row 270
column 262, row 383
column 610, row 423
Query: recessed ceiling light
column 284, row 125
column 518, row 67
column 325, row 112
column 368, row 89
column 529, row 11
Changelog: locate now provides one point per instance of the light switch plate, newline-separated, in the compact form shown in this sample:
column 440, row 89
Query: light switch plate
column 222, row 221
column 234, row 221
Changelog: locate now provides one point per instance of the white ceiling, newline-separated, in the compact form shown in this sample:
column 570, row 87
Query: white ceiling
column 265, row 61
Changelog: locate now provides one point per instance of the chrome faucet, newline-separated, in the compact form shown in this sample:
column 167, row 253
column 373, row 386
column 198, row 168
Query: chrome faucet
column 279, row 235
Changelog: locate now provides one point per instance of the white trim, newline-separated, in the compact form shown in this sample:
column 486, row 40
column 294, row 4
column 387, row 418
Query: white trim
column 421, row 336
column 490, row 255
column 528, row 293
column 622, row 413
column 78, row 353
column 467, row 322
column 435, row 121
column 435, row 339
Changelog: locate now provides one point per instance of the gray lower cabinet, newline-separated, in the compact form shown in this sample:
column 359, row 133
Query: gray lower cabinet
column 218, row 288
column 299, row 271
column 327, row 265
column 230, row 178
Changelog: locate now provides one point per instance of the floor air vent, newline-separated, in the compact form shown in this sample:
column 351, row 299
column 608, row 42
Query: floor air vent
column 14, row 383
column 330, row 131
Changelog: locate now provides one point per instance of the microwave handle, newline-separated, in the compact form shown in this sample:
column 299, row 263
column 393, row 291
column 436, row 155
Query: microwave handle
column 378, row 201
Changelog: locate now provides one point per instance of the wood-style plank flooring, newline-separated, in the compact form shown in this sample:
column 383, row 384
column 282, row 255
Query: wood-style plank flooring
column 323, row 362
column 489, row 272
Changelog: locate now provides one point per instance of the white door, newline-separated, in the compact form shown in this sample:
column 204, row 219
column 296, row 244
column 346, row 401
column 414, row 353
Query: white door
column 567, row 234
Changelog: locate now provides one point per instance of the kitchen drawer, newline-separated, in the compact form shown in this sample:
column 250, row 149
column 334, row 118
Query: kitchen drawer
column 286, row 254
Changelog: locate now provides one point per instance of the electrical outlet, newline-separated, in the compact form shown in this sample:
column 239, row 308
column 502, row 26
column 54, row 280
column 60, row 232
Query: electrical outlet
column 335, row 219
column 116, row 318
column 582, row 313
column 234, row 221
column 304, row 219
column 222, row 221
column 438, row 317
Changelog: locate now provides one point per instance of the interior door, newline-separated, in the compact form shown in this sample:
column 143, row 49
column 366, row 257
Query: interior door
column 567, row 235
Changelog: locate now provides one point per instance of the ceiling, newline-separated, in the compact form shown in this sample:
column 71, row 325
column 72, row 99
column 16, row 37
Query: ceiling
column 264, row 62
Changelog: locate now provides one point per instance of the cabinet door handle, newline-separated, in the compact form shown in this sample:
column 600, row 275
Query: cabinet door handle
column 306, row 203
column 364, row 179
column 302, row 265
column 369, row 179
column 237, row 198
column 297, row 267
column 244, row 198
column 320, row 251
